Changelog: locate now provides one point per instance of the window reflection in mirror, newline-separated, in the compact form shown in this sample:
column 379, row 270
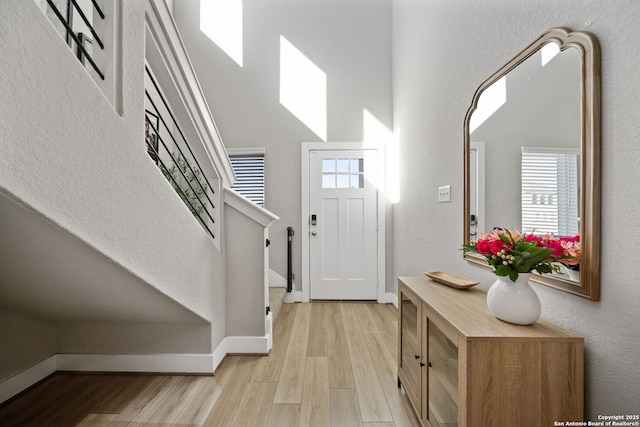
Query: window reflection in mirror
column 532, row 151
column 550, row 193
column 538, row 106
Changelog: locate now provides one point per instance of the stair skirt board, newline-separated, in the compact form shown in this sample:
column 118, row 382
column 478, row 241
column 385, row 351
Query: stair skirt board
column 141, row 363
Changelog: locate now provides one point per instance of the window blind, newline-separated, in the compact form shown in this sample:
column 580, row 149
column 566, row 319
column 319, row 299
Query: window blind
column 550, row 191
column 249, row 171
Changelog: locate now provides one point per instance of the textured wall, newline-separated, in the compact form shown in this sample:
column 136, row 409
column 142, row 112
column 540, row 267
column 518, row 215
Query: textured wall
column 443, row 50
column 245, row 295
column 134, row 338
column 350, row 41
column 69, row 155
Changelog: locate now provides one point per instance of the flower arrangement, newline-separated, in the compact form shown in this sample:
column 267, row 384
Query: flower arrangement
column 571, row 248
column 511, row 252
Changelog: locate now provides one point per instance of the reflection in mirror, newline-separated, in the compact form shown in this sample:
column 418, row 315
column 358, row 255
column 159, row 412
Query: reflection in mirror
column 550, row 191
column 533, row 108
column 532, row 151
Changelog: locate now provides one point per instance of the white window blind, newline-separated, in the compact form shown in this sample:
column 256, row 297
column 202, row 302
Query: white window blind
column 550, row 191
column 249, row 169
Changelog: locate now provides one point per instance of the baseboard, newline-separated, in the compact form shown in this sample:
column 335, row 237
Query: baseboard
column 293, row 296
column 389, row 298
column 241, row 345
column 247, row 345
column 161, row 363
column 269, row 329
column 296, row 296
column 219, row 354
column 156, row 363
column 25, row 379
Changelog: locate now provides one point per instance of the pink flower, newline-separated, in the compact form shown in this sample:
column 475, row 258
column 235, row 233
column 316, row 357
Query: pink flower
column 515, row 235
column 497, row 246
column 549, row 237
column 571, row 247
column 511, row 252
column 492, row 244
column 558, row 250
column 484, row 247
column 531, row 238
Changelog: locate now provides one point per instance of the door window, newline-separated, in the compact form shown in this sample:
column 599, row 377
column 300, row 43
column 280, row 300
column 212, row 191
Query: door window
column 343, row 173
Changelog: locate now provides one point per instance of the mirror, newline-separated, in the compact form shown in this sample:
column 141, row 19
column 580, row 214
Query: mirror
column 532, row 152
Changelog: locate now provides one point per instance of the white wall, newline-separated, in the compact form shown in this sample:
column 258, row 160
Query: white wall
column 246, row 287
column 443, row 50
column 350, row 42
column 245, row 293
column 33, row 339
column 67, row 154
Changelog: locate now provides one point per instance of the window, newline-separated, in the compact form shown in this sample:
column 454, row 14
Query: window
column 343, row 173
column 248, row 165
column 550, row 191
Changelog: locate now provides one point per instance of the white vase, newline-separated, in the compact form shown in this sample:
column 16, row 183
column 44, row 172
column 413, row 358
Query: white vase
column 513, row 302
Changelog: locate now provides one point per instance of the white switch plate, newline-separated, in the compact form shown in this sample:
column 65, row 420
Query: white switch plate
column 444, row 194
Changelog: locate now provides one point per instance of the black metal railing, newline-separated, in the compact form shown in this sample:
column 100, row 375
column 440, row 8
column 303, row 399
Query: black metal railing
column 290, row 234
column 189, row 181
column 81, row 40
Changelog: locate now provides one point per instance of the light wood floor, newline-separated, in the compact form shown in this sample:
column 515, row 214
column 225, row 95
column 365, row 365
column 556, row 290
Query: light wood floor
column 332, row 364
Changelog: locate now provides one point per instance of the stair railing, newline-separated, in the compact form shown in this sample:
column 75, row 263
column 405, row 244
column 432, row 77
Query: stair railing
column 183, row 171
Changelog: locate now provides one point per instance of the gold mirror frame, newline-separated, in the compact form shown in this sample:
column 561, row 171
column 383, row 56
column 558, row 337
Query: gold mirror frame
column 587, row 45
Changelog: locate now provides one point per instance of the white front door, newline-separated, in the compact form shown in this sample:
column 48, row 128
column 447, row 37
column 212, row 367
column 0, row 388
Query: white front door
column 343, row 253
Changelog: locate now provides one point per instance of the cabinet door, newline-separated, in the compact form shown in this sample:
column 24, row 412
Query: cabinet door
column 409, row 346
column 442, row 378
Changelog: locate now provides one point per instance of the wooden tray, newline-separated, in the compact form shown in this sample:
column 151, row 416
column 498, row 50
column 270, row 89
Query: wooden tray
column 450, row 279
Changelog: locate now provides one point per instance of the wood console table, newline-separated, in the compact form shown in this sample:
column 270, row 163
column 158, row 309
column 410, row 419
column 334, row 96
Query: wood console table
column 461, row 366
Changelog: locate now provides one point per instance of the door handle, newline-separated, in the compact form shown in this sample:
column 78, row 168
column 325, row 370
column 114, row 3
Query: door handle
column 313, row 233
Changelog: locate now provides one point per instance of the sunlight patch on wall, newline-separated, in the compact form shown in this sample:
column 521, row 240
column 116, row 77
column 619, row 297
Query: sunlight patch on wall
column 303, row 88
column 221, row 21
column 548, row 51
column 374, row 132
column 491, row 99
column 393, row 168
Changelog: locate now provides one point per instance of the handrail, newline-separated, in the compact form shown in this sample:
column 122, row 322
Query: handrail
column 88, row 24
column 165, row 34
column 290, row 234
column 68, row 22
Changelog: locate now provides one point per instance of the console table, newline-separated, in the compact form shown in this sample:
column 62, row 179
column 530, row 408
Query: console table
column 461, row 366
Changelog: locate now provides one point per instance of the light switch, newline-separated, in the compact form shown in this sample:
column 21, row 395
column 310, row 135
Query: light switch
column 444, row 194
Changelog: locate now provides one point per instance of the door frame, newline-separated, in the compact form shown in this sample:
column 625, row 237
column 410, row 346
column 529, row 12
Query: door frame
column 307, row 147
column 479, row 148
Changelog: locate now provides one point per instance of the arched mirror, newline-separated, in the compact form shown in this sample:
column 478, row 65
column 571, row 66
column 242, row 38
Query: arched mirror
column 532, row 152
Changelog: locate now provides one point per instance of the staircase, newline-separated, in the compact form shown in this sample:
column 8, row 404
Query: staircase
column 276, row 300
column 102, row 267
